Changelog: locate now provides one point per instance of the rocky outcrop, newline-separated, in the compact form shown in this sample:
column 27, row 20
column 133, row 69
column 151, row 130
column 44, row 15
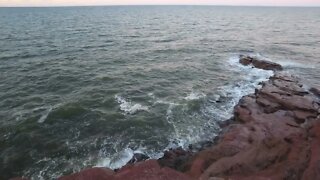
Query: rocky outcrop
column 147, row 170
column 176, row 159
column 91, row 174
column 274, row 135
column 138, row 157
column 261, row 64
column 315, row 91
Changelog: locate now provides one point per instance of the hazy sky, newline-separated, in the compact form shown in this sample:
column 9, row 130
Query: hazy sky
column 152, row 2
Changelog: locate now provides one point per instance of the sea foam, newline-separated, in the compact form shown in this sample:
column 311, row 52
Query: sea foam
column 129, row 107
column 194, row 96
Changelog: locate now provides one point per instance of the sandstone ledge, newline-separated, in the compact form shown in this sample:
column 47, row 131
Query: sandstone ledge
column 275, row 135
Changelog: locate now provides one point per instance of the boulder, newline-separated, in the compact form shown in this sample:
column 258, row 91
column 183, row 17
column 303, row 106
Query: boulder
column 245, row 60
column 260, row 64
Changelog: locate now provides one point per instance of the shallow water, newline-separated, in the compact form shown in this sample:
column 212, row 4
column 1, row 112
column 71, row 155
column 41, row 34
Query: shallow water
column 89, row 86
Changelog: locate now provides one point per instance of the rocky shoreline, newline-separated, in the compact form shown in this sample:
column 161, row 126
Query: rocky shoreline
column 274, row 134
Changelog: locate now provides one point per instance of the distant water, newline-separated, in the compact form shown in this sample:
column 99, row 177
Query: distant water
column 89, row 86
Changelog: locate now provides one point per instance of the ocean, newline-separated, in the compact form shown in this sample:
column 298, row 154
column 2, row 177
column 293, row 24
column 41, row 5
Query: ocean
column 91, row 86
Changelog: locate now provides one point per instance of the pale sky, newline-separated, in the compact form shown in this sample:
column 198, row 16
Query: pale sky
column 159, row 2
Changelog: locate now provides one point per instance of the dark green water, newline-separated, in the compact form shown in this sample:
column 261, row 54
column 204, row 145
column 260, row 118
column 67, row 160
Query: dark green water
column 89, row 86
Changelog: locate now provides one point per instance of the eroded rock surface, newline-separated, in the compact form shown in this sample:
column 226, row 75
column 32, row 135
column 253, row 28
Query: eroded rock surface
column 147, row 170
column 276, row 135
column 176, row 159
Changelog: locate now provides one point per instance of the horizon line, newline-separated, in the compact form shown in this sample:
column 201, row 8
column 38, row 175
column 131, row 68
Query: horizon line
column 106, row 5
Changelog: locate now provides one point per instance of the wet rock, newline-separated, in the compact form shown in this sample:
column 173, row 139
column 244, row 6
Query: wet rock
column 138, row 157
column 175, row 158
column 266, row 65
column 90, row 174
column 315, row 91
column 269, row 142
column 274, row 134
column 19, row 178
column 260, row 64
column 245, row 60
column 149, row 169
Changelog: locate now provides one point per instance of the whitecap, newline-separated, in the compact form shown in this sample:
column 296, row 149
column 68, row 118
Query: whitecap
column 117, row 160
column 292, row 64
column 151, row 94
column 220, row 111
column 129, row 107
column 44, row 115
column 160, row 101
column 235, row 92
column 194, row 96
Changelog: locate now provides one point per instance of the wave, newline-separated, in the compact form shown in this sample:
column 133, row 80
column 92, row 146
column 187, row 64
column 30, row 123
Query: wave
column 45, row 115
column 291, row 64
column 234, row 92
column 218, row 107
column 117, row 160
column 194, row 96
column 121, row 158
column 129, row 107
column 286, row 63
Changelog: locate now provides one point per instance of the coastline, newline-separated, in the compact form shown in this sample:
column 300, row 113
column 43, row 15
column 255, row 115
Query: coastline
column 274, row 134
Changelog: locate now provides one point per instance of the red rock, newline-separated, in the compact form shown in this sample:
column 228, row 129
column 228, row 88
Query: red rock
column 275, row 135
column 245, row 60
column 197, row 168
column 269, row 142
column 147, row 170
column 315, row 91
column 313, row 169
column 175, row 158
column 90, row 174
column 260, row 64
column 302, row 116
column 266, row 65
column 138, row 157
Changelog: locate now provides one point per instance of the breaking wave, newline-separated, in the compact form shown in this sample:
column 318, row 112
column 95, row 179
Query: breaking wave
column 128, row 107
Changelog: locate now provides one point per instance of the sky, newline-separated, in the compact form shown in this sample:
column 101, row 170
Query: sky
column 4, row 3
